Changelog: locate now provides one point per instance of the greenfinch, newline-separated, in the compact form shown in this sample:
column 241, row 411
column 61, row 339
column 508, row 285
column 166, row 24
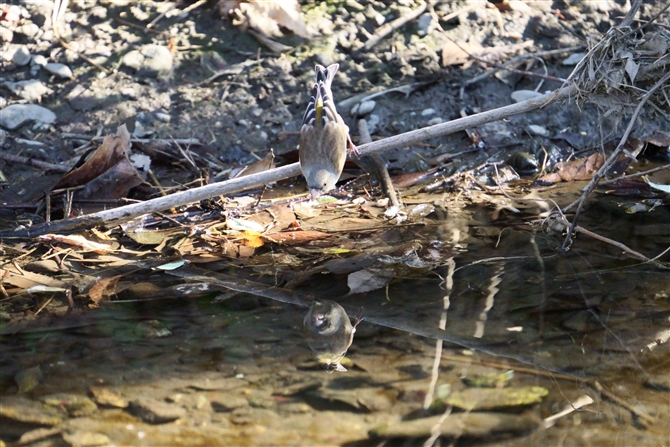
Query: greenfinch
column 323, row 137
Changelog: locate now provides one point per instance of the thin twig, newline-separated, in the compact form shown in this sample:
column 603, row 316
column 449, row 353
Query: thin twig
column 610, row 160
column 388, row 28
column 34, row 163
column 637, row 174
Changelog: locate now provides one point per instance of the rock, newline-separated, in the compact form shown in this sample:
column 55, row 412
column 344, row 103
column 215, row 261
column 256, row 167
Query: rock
column 428, row 112
column 457, row 425
column 20, row 409
column 16, row 115
column 423, row 24
column 80, row 98
column 76, row 405
column 659, row 382
column 436, row 120
column 86, row 439
column 29, row 29
column 163, row 117
column 523, row 95
column 373, row 121
column 31, row 90
column 40, row 60
column 225, row 402
column 60, row 70
column 223, row 384
column 479, row 399
column 363, row 108
column 154, row 411
column 539, row 131
column 6, row 35
column 107, row 397
column 19, row 55
column 150, row 60
column 573, row 59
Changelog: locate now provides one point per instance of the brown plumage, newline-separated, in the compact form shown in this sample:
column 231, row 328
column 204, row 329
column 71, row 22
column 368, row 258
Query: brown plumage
column 323, row 137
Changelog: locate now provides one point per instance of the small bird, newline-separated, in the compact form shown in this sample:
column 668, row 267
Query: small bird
column 329, row 333
column 323, row 137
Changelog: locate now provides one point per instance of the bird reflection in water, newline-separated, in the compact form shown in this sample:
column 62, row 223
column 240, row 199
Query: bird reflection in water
column 329, row 333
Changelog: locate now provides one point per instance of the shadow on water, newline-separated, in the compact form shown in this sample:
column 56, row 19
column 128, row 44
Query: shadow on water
column 588, row 321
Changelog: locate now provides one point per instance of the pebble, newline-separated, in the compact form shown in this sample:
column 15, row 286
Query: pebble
column 20, row 56
column 373, row 122
column 163, row 117
column 436, row 120
column 6, row 35
column 539, row 131
column 61, row 70
column 423, row 25
column 80, row 98
column 76, row 405
column 20, row 409
column 154, row 411
column 428, row 112
column 480, row 425
column 150, row 61
column 573, row 59
column 523, row 95
column 363, row 108
column 40, row 60
column 16, row 115
column 30, row 30
column 31, row 90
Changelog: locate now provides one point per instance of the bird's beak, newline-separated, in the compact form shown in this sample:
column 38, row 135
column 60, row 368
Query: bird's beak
column 314, row 193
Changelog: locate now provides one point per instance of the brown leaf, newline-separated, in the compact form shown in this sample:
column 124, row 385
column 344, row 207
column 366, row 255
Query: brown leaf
column 581, row 169
column 103, row 289
column 111, row 151
column 78, row 241
column 295, row 237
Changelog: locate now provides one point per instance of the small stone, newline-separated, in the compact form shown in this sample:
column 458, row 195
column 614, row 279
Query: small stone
column 154, row 411
column 428, row 112
column 30, row 30
column 80, row 98
column 436, row 120
column 20, row 409
column 86, row 439
column 130, row 92
column 60, row 70
column 150, row 61
column 363, row 108
column 225, row 402
column 6, row 35
column 573, row 59
column 16, row 115
column 244, row 123
column 31, row 90
column 40, row 60
column 76, row 405
column 423, row 25
column 21, row 56
column 373, row 121
column 523, row 95
column 163, row 117
column 539, row 131
column 109, row 398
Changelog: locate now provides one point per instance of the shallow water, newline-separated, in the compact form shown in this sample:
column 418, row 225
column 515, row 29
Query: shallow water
column 588, row 321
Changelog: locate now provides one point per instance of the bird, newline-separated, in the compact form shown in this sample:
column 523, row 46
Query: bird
column 323, row 136
column 329, row 333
